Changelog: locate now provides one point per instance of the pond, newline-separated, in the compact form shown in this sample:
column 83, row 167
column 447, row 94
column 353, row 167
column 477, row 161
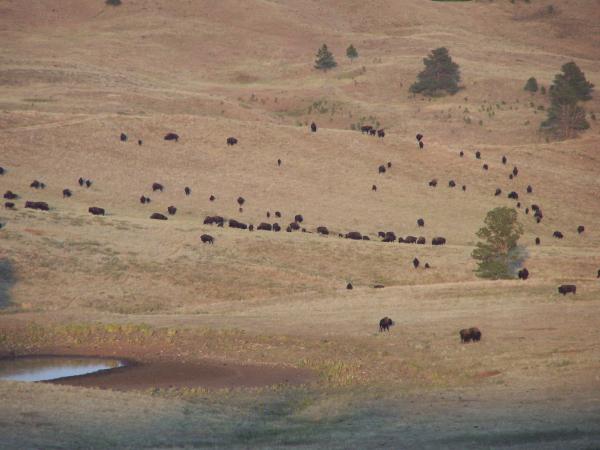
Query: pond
column 46, row 368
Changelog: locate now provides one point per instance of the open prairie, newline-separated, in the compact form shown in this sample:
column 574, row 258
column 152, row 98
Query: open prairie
column 75, row 74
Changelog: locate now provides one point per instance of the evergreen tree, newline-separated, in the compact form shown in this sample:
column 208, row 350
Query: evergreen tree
column 351, row 52
column 531, row 85
column 565, row 117
column 113, row 2
column 324, row 59
column 497, row 255
column 440, row 74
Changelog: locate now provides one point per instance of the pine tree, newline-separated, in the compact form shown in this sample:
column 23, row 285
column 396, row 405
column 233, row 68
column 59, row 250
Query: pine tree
column 440, row 74
column 324, row 59
column 351, row 52
column 565, row 116
column 531, row 85
column 498, row 253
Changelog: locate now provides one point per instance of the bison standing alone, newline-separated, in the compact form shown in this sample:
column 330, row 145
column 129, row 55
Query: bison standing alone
column 385, row 324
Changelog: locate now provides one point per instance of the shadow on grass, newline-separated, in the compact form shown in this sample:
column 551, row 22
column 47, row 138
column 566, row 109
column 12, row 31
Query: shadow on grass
column 7, row 281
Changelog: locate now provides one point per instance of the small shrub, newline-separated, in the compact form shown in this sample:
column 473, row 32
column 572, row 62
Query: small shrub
column 113, row 2
column 531, row 85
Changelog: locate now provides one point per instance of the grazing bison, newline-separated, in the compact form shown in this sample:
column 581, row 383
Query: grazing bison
column 372, row 132
column 485, row 167
column 81, row 181
column 420, row 222
column 478, row 154
column 88, row 183
column 374, row 188
column 378, row 286
column 451, row 183
column 421, row 240
column 464, row 188
column 143, row 200
column 416, row 262
column 294, row 226
column 427, row 266
column 523, row 273
column 323, row 230
column 212, row 198
column 207, row 239
column 366, row 238
column 171, row 137
column 172, row 210
column 187, row 190
column 526, row 210
column 355, row 235
column 96, row 211
column 498, row 192
column 231, row 141
column 9, row 205
column 36, row 184
column 241, row 201
column 529, row 189
column 421, row 145
column 42, row 206
column 279, row 162
column 313, row 127
column 438, row 241
column 515, row 171
column 349, row 286
column 537, row 241
column 277, row 214
column 580, row 229
column 564, row 289
column 461, row 154
column 389, row 164
column 211, row 220
column 385, row 324
column 504, row 160
column 1, row 170
column 510, row 176
column 139, row 142
column 518, row 204
column 382, row 169
column 557, row 235
column 298, row 218
column 276, row 227
column 433, row 183
column 389, row 236
column 419, row 137
column 470, row 334
column 535, row 207
column 381, row 234
column 366, row 129
column 67, row 193
column 264, row 226
column 475, row 334
column 598, row 274
column 513, row 195
column 465, row 335
column 10, row 195
column 410, row 240
column 157, row 187
column 123, row 137
column 158, row 216
column 381, row 133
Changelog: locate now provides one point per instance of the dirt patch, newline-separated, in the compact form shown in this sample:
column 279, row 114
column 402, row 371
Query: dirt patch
column 173, row 374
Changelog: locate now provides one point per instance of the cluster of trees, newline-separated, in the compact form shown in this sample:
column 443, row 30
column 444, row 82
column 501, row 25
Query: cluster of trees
column 326, row 61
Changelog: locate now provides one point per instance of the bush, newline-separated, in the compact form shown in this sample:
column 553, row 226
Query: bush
column 113, row 2
column 351, row 52
column 440, row 74
column 531, row 85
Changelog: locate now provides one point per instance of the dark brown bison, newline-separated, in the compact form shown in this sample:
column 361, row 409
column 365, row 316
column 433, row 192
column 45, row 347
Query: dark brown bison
column 143, row 200
column 187, row 190
column 67, row 193
column 385, row 324
column 498, row 192
column 1, row 170
column 465, row 335
column 264, row 226
column 419, row 137
column 518, row 204
column 485, row 167
column 349, row 286
column 10, row 195
column 88, row 183
column 427, row 266
column 355, row 235
column 42, row 206
column 231, row 141
column 580, row 229
column 171, row 137
column 421, row 240
column 276, row 227
column 381, row 169
column 157, row 187
column 515, row 171
column 598, row 274
column 564, row 289
column 378, row 286
column 416, row 262
column 504, row 160
column 372, row 132
column 421, row 145
column 366, row 238
column 537, row 241
column 277, row 214
column 313, row 127
column 212, row 220
column 557, row 235
column 461, row 154
column 207, row 239
column 513, row 195
column 389, row 164
column 212, row 198
column 374, row 188
column 294, row 226
column 241, row 201
column 298, row 218
column 478, row 154
column 235, row 224
column 9, row 205
column 139, row 142
column 172, row 210
column 36, row 184
column 366, row 129
column 464, row 188
column 158, row 216
column 451, row 183
column 123, row 137
column 529, row 189
column 323, row 230
column 438, row 241
column 279, row 162
column 389, row 236
column 420, row 222
column 523, row 273
column 470, row 334
column 475, row 334
column 96, row 211
column 410, row 240
column 81, row 181
column 433, row 183
column 250, row 227
column 381, row 133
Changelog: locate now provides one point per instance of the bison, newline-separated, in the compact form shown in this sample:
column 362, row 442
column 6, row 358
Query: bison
column 381, row 133
column 366, row 129
column 264, row 226
column 385, row 324
column 96, row 211
column 529, row 189
column 515, row 171
column 276, row 227
column 504, row 159
column 42, row 206
column 88, row 183
column 171, row 137
column 81, row 181
column 464, row 188
column 241, row 201
column 580, row 229
column 513, row 195
column 421, row 240
column 419, row 137
column 1, row 170
column 355, row 235
column 421, row 145
column 67, row 193
column 157, row 187
column 207, row 239
column 10, row 195
column 187, row 190
column 451, row 183
column 389, row 236
column 372, row 132
column 158, row 216
column 36, row 184
column 557, row 235
column 279, row 162
column 123, row 137
column 564, row 289
column 9, row 205
column 277, row 214
column 374, row 188
column 470, row 334
column 323, row 230
column 231, row 141
column 537, row 241
column 478, row 154
column 523, row 273
column 381, row 169
column 349, row 286
column 416, row 262
column 410, row 240
column 313, row 127
column 172, row 210
column 438, row 241
column 420, row 222
column 461, row 153
column 498, row 192
column 485, row 167
column 294, row 226
column 433, row 183
column 139, row 142
column 298, row 218
column 212, row 198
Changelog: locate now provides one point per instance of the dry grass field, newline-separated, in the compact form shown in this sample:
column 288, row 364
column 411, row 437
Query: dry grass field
column 75, row 74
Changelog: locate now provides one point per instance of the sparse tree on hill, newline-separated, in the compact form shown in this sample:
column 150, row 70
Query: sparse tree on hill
column 531, row 85
column 565, row 116
column 325, row 60
column 498, row 253
column 440, row 74
column 113, row 2
column 351, row 53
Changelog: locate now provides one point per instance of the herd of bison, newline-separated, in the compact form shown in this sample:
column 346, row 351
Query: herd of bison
column 466, row 335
